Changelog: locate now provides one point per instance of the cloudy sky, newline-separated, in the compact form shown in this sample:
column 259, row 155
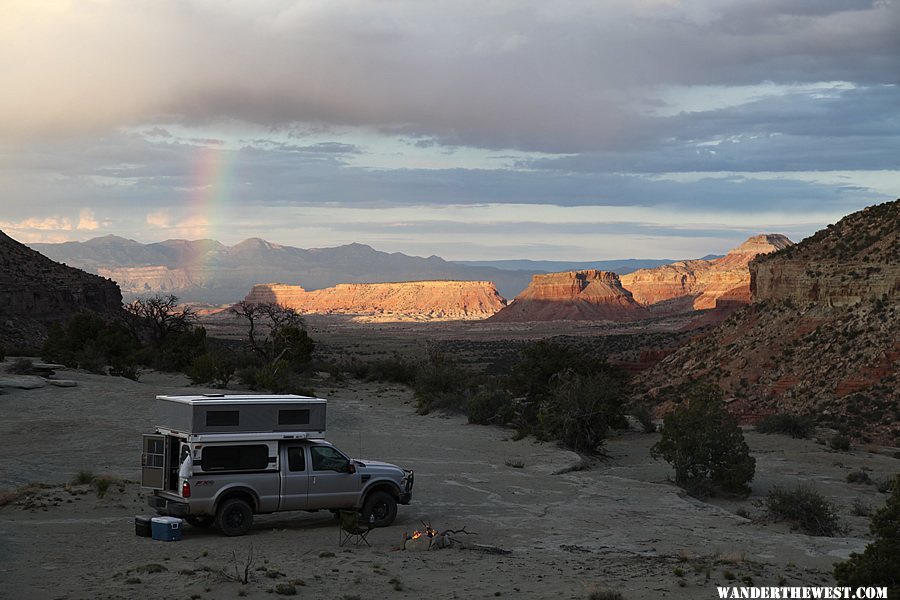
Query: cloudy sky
column 468, row 129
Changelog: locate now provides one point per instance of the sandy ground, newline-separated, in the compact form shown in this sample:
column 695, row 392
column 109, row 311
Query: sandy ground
column 619, row 524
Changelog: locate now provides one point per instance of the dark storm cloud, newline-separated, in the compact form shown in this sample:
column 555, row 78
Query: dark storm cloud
column 125, row 172
column 855, row 129
column 565, row 76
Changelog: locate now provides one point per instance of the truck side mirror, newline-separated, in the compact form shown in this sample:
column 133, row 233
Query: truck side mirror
column 351, row 468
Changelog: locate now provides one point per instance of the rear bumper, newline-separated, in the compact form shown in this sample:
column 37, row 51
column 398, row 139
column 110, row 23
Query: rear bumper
column 165, row 506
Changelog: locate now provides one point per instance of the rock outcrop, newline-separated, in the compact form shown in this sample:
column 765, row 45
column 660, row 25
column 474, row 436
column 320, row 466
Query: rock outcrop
column 35, row 291
column 821, row 337
column 418, row 300
column 698, row 284
column 855, row 260
column 573, row 296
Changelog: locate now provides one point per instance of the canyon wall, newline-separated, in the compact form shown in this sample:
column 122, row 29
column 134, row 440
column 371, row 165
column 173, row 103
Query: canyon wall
column 35, row 291
column 821, row 336
column 427, row 300
column 698, row 284
column 573, row 295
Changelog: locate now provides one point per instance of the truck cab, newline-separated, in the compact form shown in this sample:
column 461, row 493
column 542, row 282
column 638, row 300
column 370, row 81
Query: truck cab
column 224, row 478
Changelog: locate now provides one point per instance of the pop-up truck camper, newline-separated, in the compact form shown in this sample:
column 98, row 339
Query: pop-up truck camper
column 219, row 459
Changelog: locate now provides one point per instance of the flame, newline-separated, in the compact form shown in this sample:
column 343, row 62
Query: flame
column 429, row 532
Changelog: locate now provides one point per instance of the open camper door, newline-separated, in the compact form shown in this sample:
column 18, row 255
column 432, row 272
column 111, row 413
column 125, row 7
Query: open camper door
column 153, row 461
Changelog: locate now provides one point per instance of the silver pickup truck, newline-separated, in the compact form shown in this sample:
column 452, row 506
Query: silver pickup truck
column 209, row 465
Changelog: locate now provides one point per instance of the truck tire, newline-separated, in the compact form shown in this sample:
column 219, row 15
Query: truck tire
column 200, row 521
column 234, row 517
column 382, row 506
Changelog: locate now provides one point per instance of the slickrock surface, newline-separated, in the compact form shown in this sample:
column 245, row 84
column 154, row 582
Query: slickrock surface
column 821, row 337
column 573, row 296
column 620, row 525
column 425, row 300
column 35, row 291
column 698, row 284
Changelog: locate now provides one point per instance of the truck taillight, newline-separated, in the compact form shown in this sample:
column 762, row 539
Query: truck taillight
column 185, row 490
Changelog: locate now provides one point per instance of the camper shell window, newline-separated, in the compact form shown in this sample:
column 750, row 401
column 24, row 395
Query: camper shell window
column 293, row 417
column 236, row 458
column 223, row 418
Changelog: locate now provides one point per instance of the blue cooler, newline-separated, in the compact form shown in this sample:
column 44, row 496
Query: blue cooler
column 166, row 529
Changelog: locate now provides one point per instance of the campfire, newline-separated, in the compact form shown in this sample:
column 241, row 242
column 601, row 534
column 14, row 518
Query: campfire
column 429, row 538
column 429, row 532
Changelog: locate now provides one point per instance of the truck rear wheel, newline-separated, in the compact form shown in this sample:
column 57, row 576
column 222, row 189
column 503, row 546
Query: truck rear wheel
column 382, row 506
column 234, row 517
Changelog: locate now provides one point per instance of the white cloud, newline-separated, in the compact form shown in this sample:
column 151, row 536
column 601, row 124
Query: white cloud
column 160, row 218
column 39, row 224
column 86, row 220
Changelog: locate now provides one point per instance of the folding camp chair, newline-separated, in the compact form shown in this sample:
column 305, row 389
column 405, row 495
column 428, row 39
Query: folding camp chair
column 353, row 528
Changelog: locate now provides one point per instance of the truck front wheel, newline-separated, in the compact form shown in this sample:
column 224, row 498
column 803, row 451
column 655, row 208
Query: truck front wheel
column 380, row 508
column 234, row 517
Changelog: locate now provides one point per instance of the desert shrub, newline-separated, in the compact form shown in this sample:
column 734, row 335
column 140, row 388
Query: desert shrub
column 102, row 484
column 22, row 366
column 123, row 369
column 879, row 564
column 858, row 477
column 580, row 409
column 278, row 377
column 705, row 445
column 23, row 492
column 534, row 378
column 441, row 384
column 293, row 344
column 216, row 367
column 176, row 351
column 83, row 477
column 89, row 342
column 840, row 443
column 806, row 508
column 538, row 362
column 643, row 416
column 491, row 405
column 596, row 593
column 796, row 426
column 860, row 508
column 395, row 370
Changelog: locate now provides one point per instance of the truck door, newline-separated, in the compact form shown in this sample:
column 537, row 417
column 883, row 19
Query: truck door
column 331, row 484
column 153, row 461
column 294, row 478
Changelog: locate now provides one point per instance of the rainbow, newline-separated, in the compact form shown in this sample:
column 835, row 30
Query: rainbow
column 208, row 201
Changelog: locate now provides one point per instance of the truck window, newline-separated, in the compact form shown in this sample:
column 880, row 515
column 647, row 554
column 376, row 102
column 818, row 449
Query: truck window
column 235, row 458
column 325, row 458
column 293, row 417
column 223, row 418
column 296, row 459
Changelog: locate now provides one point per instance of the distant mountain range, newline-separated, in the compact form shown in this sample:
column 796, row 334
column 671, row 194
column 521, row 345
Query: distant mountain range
column 626, row 265
column 209, row 271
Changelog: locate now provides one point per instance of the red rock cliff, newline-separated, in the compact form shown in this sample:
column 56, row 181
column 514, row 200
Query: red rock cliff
column 409, row 299
column 698, row 284
column 573, row 295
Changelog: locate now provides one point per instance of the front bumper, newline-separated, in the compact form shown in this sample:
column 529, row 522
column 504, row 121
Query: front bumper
column 165, row 506
column 406, row 492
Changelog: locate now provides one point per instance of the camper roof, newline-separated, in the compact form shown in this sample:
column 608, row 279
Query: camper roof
column 242, row 399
